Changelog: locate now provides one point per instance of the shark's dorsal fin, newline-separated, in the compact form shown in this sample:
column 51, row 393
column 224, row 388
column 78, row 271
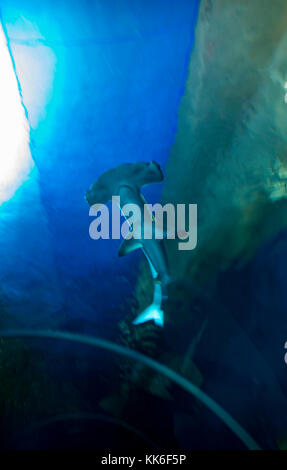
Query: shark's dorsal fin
column 128, row 246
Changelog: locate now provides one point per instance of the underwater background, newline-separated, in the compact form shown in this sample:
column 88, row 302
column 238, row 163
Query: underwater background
column 200, row 88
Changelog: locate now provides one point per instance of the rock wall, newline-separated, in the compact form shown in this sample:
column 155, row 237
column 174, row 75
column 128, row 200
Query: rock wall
column 230, row 150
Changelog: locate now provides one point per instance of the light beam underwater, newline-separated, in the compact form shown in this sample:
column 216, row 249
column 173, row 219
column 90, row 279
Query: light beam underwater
column 15, row 156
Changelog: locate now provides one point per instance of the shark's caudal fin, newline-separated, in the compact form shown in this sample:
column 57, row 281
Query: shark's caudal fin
column 153, row 312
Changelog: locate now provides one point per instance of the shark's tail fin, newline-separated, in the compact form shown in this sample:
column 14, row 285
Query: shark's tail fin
column 153, row 312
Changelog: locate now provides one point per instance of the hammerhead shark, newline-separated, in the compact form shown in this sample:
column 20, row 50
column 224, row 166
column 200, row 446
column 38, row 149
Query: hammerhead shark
column 126, row 181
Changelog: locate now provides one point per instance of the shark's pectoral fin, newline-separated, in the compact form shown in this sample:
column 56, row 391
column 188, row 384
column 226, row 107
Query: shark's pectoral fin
column 128, row 246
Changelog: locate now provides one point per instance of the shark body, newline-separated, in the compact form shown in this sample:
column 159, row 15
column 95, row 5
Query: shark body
column 126, row 181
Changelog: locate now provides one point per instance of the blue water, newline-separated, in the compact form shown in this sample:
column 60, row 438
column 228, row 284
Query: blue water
column 116, row 83
column 101, row 84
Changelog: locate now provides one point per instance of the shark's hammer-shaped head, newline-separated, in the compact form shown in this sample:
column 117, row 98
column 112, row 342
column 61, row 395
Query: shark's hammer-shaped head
column 134, row 175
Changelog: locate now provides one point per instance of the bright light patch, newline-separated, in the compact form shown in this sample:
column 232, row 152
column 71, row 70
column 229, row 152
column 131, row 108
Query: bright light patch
column 15, row 157
column 154, row 313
